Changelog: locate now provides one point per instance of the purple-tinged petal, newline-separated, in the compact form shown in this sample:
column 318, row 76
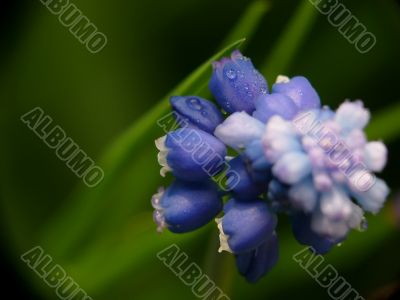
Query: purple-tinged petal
column 352, row 115
column 274, row 104
column 375, row 155
column 239, row 130
column 372, row 200
column 300, row 91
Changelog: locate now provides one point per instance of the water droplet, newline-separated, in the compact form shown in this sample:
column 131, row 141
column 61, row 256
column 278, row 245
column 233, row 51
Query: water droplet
column 194, row 103
column 204, row 113
column 231, row 74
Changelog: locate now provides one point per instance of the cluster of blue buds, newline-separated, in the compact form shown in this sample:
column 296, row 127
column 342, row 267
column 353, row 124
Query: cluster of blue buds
column 290, row 155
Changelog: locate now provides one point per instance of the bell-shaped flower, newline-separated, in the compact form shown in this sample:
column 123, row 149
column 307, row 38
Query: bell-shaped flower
column 186, row 206
column 191, row 154
column 274, row 104
column 239, row 130
column 245, row 225
column 300, row 90
column 375, row 154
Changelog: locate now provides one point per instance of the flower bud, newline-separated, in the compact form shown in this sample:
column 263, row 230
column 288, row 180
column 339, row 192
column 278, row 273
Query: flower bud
column 186, row 206
column 191, row 154
column 236, row 84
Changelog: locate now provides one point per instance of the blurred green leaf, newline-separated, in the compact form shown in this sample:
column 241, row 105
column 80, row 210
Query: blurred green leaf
column 249, row 22
column 385, row 124
column 290, row 41
column 131, row 248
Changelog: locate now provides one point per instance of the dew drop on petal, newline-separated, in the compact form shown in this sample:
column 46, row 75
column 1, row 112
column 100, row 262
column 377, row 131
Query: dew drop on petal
column 194, row 103
column 231, row 74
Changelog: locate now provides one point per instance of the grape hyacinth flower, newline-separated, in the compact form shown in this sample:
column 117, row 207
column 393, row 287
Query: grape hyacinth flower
column 291, row 155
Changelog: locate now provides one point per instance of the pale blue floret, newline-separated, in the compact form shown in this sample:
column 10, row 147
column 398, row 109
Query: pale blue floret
column 373, row 199
column 239, row 130
column 332, row 185
column 375, row 154
column 352, row 115
column 255, row 154
column 279, row 138
column 292, row 167
column 274, row 104
column 336, row 215
column 303, row 195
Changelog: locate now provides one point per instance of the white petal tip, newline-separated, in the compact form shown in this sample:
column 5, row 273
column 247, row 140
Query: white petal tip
column 223, row 238
column 162, row 155
column 282, row 79
column 160, row 143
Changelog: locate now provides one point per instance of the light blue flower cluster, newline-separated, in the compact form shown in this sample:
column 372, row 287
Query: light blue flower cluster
column 292, row 156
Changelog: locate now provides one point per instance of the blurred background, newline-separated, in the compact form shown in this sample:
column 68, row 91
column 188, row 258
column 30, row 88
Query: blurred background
column 104, row 237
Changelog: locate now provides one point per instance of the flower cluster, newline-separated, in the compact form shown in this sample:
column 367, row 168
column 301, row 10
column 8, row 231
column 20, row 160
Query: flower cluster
column 291, row 155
